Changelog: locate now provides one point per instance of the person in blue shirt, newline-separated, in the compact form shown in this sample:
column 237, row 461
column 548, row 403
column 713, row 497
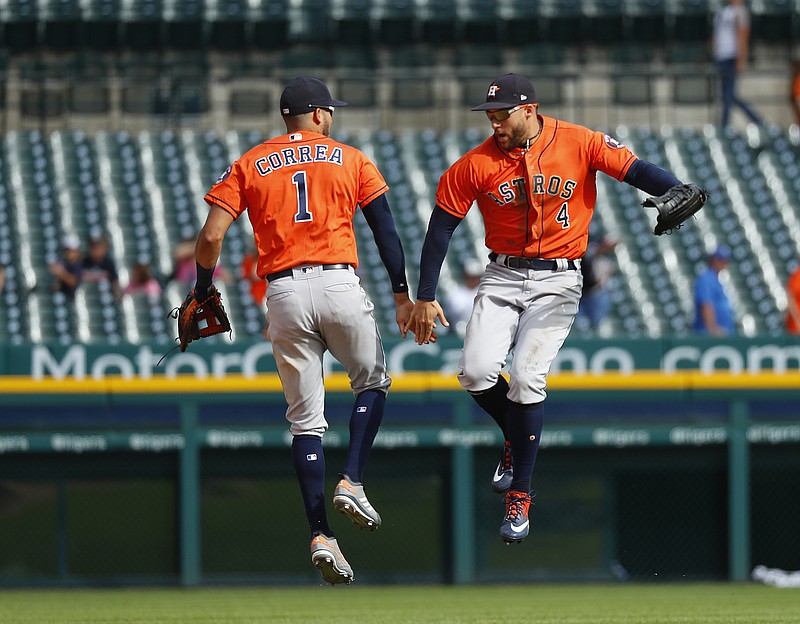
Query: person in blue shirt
column 713, row 310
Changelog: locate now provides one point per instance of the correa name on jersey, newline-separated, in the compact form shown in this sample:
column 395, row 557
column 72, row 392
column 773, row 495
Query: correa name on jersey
column 299, row 155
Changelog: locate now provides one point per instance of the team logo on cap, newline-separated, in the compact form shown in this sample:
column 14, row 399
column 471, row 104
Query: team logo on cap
column 493, row 89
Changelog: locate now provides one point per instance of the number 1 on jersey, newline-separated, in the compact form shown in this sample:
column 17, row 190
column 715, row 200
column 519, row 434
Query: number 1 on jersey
column 299, row 181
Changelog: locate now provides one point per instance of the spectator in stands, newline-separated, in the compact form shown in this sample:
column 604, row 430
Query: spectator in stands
column 258, row 286
column 98, row 265
column 67, row 269
column 793, row 302
column 461, row 299
column 2, row 278
column 731, row 45
column 794, row 95
column 713, row 310
column 597, row 269
column 142, row 281
column 184, row 270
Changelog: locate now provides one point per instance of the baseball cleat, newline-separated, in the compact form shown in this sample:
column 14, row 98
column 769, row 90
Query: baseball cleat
column 349, row 498
column 516, row 525
column 504, row 473
column 330, row 561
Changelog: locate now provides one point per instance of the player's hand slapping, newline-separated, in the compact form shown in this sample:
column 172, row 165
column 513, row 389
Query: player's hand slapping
column 422, row 321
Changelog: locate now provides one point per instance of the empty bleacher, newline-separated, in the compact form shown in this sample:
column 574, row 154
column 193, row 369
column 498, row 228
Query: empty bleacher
column 144, row 191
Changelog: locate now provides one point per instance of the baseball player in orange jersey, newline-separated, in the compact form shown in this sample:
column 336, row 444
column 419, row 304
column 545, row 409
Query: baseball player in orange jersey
column 301, row 191
column 534, row 184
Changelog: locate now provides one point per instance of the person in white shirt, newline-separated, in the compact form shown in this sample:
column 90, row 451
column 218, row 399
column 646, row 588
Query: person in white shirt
column 731, row 42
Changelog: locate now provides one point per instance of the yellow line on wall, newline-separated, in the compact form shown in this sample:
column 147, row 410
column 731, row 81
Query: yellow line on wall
column 406, row 382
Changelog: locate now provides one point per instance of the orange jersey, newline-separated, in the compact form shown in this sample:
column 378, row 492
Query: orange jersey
column 537, row 203
column 301, row 191
column 793, row 293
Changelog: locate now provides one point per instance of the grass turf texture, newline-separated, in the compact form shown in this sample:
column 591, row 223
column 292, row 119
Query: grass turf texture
column 543, row 604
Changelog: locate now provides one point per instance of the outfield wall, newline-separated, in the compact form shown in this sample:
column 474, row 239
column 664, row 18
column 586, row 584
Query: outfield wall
column 188, row 480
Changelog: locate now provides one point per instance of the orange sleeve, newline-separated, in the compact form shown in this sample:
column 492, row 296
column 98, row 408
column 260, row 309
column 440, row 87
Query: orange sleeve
column 228, row 191
column 372, row 182
column 610, row 156
column 457, row 188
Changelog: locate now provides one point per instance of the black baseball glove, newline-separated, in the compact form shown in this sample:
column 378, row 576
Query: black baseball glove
column 675, row 206
column 200, row 318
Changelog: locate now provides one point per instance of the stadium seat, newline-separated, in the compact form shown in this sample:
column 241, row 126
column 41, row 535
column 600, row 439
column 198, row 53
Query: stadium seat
column 101, row 24
column 602, row 21
column 645, row 20
column 688, row 20
column 395, row 21
column 228, row 27
column 438, row 21
column 61, row 24
column 477, row 21
column 143, row 25
column 519, row 22
column 562, row 21
column 773, row 21
column 352, row 21
column 185, row 25
column 270, row 24
column 20, row 27
column 311, row 22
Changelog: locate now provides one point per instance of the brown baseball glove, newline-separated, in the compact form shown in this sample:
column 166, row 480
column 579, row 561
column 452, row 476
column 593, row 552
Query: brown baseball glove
column 200, row 318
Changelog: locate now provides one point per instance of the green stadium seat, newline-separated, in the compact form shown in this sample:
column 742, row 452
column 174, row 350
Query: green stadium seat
column 688, row 20
column 645, row 20
column 352, row 21
column 61, row 24
column 478, row 21
column 519, row 21
column 228, row 25
column 143, row 25
column 185, row 26
column 774, row 21
column 270, row 23
column 603, row 21
column 438, row 21
column 101, row 24
column 19, row 24
column 395, row 21
column 311, row 22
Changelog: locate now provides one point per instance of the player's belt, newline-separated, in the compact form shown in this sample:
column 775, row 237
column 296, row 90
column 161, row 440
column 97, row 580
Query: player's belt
column 289, row 272
column 537, row 264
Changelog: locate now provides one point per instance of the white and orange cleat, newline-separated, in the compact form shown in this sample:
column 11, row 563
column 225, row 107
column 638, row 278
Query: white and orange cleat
column 349, row 498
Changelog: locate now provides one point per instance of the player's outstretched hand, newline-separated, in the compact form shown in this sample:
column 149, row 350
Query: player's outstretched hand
column 404, row 307
column 422, row 321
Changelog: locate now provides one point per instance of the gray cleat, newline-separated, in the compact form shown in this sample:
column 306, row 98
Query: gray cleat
column 330, row 561
column 349, row 498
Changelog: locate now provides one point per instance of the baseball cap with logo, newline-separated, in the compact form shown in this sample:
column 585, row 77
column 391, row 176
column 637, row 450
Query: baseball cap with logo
column 304, row 94
column 508, row 91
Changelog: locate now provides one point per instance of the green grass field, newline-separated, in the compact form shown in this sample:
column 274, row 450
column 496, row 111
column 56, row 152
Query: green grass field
column 539, row 604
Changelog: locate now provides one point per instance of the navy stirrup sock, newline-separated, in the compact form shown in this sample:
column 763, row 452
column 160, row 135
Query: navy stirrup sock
column 365, row 420
column 309, row 466
column 495, row 403
column 525, row 430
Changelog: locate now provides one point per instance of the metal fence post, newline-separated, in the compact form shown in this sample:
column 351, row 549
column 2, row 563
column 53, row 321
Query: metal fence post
column 463, row 500
column 738, row 493
column 189, row 486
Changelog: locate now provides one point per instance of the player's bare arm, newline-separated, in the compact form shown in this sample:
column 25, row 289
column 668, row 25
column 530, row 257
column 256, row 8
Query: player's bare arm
column 209, row 240
column 403, row 305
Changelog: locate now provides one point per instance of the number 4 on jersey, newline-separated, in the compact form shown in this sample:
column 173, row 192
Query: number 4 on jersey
column 563, row 216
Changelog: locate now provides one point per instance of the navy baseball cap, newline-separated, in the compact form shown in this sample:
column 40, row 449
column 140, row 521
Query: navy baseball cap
column 304, row 94
column 508, row 91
